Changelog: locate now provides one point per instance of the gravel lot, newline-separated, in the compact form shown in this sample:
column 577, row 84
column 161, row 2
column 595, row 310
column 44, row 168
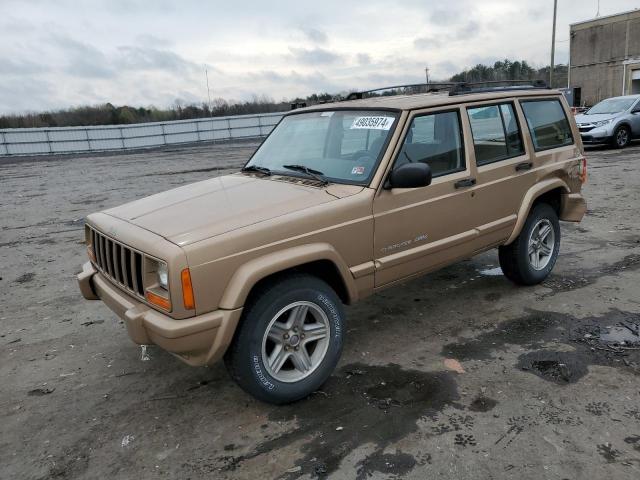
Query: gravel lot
column 542, row 393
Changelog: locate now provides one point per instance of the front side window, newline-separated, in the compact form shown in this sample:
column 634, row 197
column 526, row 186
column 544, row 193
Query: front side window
column 434, row 139
column 496, row 135
column 345, row 145
column 548, row 124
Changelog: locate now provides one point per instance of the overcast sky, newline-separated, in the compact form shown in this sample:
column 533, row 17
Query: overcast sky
column 62, row 53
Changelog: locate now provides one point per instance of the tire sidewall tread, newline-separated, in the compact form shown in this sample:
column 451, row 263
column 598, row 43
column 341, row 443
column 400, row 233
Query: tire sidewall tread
column 244, row 357
column 514, row 259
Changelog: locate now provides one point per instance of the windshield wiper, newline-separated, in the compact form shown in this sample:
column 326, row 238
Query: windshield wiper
column 257, row 168
column 317, row 174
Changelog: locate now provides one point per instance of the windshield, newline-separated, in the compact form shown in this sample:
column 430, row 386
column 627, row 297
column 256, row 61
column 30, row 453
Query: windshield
column 343, row 146
column 612, row 105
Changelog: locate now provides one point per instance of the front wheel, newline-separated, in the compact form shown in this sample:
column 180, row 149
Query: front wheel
column 622, row 137
column 529, row 259
column 289, row 339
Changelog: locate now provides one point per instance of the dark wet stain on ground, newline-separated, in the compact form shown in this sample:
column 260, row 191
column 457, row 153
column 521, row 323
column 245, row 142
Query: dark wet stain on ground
column 612, row 339
column 26, row 277
column 565, row 283
column 558, row 367
column 634, row 441
column 482, row 404
column 396, row 464
column 361, row 404
column 609, row 453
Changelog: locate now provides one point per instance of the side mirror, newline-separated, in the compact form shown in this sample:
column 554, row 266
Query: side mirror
column 636, row 109
column 410, row 175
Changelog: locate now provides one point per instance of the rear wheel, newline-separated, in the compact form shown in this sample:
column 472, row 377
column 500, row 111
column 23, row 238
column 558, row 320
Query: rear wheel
column 529, row 259
column 289, row 339
column 622, row 137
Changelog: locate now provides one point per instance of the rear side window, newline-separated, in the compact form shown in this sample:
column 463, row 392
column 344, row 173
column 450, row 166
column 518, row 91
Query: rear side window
column 436, row 140
column 496, row 135
column 548, row 124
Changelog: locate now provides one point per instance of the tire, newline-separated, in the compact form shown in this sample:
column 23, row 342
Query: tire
column 622, row 137
column 287, row 310
column 518, row 259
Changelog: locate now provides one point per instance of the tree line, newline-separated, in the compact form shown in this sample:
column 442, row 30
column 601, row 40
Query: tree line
column 108, row 114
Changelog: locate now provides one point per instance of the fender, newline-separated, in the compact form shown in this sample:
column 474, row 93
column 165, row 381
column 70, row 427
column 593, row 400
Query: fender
column 527, row 202
column 255, row 270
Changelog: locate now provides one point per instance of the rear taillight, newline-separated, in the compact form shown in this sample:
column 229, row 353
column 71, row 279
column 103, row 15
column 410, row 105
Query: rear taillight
column 582, row 170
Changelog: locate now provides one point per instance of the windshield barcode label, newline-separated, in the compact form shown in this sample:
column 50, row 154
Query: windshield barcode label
column 373, row 123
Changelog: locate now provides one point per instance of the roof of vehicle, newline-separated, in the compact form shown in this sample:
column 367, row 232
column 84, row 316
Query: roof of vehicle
column 630, row 97
column 426, row 100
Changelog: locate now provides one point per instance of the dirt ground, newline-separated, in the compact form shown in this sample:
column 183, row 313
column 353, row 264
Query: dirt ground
column 549, row 386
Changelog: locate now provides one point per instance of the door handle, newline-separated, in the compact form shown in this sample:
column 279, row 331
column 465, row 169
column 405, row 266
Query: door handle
column 467, row 182
column 524, row 166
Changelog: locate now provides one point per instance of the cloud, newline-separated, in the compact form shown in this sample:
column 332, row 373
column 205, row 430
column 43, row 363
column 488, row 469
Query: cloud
column 315, row 35
column 443, row 16
column 468, row 31
column 145, row 58
column 82, row 59
column 314, row 56
column 427, row 42
column 363, row 59
column 20, row 67
column 143, row 52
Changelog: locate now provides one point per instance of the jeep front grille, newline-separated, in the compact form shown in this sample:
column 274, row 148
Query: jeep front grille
column 118, row 262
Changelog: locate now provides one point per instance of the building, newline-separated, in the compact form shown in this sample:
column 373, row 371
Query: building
column 605, row 58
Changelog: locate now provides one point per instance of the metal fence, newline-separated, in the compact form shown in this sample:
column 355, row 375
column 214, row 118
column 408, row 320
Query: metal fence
column 46, row 141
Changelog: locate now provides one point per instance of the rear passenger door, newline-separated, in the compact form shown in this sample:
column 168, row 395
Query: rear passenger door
column 505, row 167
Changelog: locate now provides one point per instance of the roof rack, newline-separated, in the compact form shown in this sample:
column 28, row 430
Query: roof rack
column 455, row 88
column 497, row 86
column 430, row 87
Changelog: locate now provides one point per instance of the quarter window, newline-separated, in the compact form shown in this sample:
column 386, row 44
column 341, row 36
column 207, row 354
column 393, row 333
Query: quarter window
column 436, row 140
column 548, row 124
column 496, row 135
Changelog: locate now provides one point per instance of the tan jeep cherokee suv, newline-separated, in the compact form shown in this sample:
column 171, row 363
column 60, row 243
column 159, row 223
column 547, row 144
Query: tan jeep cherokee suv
column 339, row 202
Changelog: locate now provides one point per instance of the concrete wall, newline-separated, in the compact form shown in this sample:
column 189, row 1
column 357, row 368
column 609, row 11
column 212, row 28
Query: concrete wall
column 603, row 54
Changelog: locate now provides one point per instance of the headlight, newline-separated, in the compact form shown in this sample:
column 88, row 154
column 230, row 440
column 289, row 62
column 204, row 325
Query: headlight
column 163, row 275
column 602, row 123
column 156, row 284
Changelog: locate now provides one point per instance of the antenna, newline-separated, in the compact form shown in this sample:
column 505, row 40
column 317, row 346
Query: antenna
column 598, row 12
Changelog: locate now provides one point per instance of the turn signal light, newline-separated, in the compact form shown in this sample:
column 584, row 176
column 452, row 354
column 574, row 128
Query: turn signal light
column 91, row 253
column 158, row 301
column 187, row 290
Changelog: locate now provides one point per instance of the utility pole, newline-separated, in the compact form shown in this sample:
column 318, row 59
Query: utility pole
column 206, row 74
column 426, row 72
column 553, row 42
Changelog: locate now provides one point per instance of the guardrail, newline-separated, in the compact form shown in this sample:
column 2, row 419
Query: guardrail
column 60, row 140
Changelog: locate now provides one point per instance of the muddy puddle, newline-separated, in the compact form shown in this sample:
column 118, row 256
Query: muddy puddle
column 360, row 405
column 612, row 339
column 566, row 283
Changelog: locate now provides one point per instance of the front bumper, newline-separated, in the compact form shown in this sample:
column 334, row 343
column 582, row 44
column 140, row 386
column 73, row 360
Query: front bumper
column 200, row 340
column 596, row 136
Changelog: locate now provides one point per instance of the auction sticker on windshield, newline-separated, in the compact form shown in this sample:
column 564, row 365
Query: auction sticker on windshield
column 373, row 123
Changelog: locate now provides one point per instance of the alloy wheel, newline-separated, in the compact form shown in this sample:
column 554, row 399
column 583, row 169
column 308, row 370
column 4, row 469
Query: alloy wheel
column 541, row 244
column 295, row 341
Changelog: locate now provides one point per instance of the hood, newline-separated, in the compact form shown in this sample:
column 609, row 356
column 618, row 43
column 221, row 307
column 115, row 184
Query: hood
column 582, row 118
column 205, row 209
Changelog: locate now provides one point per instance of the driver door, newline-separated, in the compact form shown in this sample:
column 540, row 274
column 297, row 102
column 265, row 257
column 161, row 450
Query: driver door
column 420, row 229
